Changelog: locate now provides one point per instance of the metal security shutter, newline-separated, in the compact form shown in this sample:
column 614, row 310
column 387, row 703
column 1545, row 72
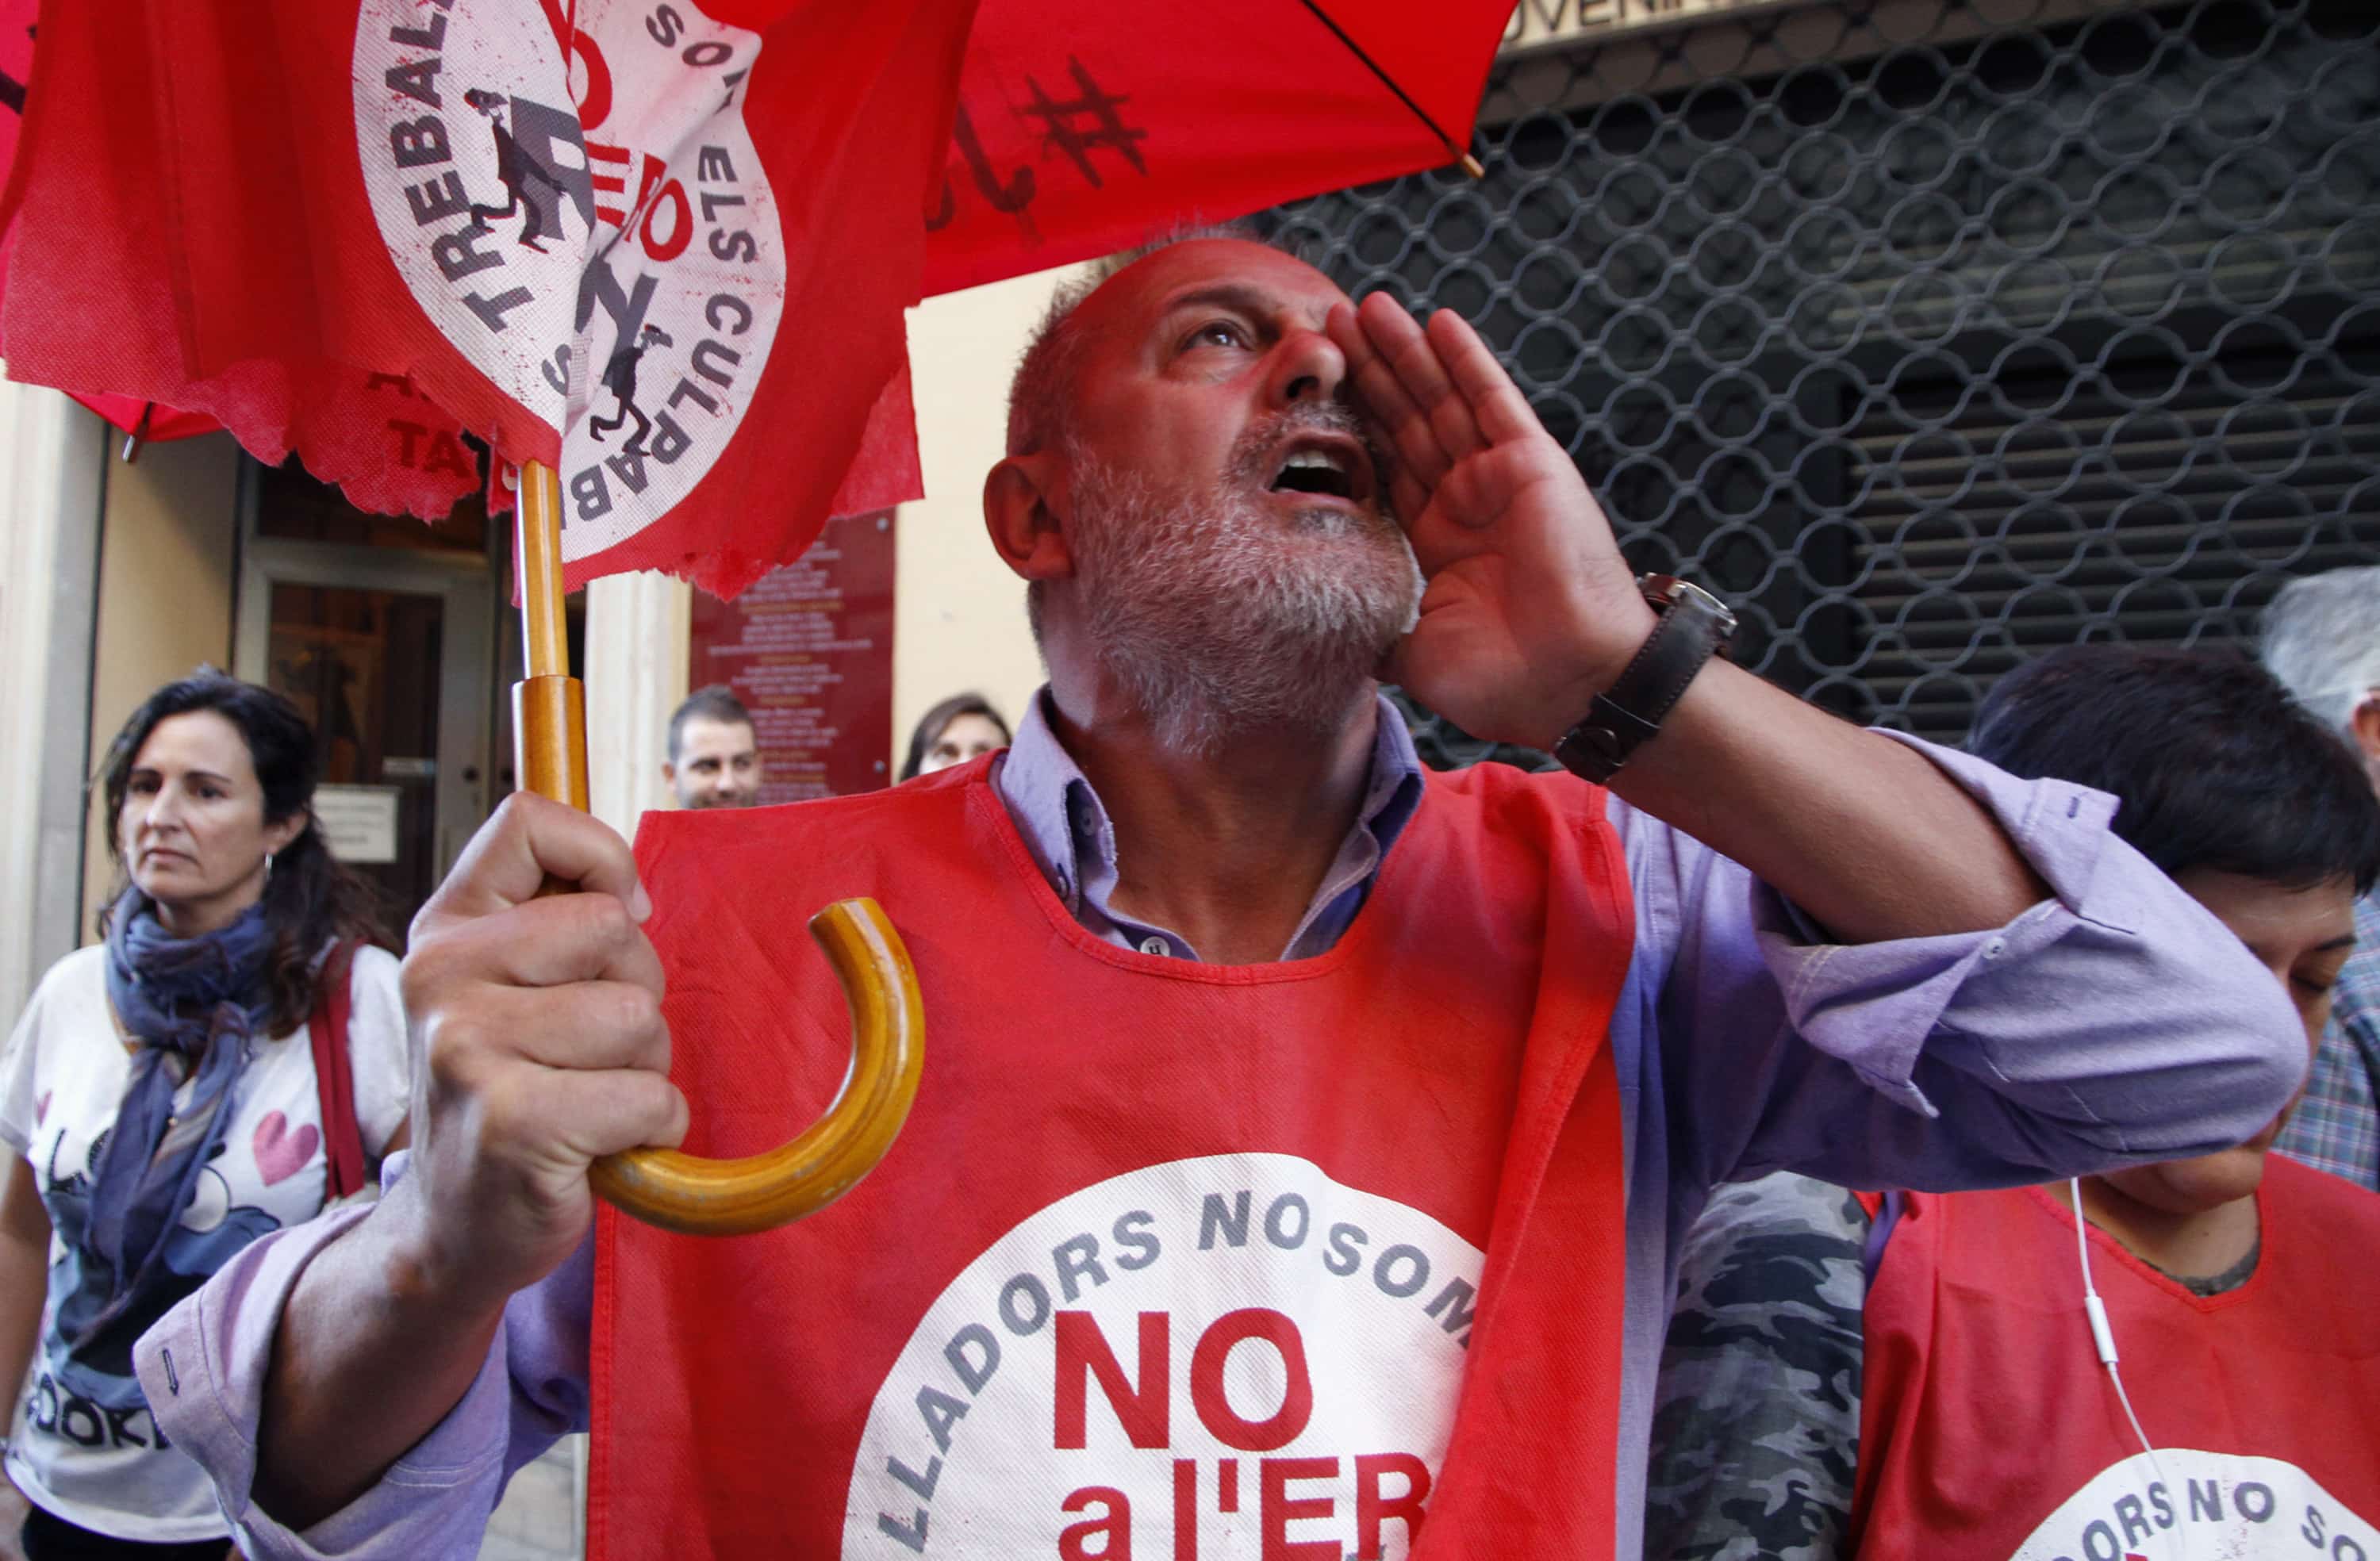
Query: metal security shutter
column 1936, row 333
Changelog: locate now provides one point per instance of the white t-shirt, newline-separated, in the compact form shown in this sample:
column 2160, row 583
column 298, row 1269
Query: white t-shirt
column 82, row 1444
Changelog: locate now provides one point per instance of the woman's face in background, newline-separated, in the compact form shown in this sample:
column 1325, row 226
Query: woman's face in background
column 965, row 737
column 192, row 826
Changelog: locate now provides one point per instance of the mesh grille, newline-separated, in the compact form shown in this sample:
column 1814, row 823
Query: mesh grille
column 1935, row 334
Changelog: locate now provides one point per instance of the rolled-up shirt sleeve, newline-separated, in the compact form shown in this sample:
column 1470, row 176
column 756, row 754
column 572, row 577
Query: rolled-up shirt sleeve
column 203, row 1367
column 2116, row 1022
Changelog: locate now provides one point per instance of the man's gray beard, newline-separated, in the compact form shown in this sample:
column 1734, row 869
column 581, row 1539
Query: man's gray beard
column 1214, row 621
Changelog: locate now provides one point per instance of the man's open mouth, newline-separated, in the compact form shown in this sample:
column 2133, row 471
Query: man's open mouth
column 1328, row 468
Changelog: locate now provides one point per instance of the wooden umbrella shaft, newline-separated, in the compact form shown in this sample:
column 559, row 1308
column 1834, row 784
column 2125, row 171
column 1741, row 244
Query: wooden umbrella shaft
column 662, row 1186
column 549, row 705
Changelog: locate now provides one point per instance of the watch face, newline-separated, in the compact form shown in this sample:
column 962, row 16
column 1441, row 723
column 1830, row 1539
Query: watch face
column 1686, row 589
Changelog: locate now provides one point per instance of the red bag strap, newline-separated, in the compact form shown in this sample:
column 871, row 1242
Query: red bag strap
column 335, row 1079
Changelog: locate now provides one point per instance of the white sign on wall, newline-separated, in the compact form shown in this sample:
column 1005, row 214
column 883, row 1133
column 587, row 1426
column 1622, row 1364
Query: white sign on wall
column 1538, row 22
column 359, row 823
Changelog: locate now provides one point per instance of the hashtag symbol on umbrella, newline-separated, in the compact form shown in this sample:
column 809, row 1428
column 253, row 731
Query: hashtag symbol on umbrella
column 1066, row 132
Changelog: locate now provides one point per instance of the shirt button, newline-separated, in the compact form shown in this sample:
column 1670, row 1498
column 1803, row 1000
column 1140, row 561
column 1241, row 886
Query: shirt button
column 1065, row 890
column 1153, row 945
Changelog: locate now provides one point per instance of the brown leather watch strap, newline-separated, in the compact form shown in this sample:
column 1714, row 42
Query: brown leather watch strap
column 1694, row 626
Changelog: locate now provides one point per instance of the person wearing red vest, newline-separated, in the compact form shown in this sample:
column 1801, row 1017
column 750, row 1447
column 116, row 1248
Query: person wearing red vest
column 2189, row 1366
column 1305, row 1136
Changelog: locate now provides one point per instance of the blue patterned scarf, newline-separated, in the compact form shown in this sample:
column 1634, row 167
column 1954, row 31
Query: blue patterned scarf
column 201, row 1000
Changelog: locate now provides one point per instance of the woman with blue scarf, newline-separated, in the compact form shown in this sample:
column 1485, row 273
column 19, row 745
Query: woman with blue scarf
column 161, row 1103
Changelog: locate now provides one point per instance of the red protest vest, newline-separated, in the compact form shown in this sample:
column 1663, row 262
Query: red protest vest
column 1172, row 1260
column 1989, row 1428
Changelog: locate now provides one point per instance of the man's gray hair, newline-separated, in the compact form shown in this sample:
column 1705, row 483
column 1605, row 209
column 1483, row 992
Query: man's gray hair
column 1038, row 396
column 2322, row 638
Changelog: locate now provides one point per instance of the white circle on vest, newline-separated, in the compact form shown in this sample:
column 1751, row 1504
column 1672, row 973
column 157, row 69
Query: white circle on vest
column 1236, row 1342
column 2225, row 1504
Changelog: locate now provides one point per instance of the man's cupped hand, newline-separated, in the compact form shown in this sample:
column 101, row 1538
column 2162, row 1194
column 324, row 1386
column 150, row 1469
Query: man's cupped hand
column 1529, row 610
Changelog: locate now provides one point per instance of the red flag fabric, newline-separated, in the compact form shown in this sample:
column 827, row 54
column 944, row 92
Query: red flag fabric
column 782, row 230
column 425, row 465
column 1172, row 1260
column 117, row 226
column 17, row 33
column 663, row 245
column 1086, row 129
column 598, row 226
column 151, row 422
column 16, row 70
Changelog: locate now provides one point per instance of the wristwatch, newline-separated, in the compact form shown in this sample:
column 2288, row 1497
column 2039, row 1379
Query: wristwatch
column 1694, row 626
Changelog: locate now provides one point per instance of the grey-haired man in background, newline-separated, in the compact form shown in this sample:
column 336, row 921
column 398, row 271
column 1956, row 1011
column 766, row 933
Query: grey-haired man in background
column 2322, row 638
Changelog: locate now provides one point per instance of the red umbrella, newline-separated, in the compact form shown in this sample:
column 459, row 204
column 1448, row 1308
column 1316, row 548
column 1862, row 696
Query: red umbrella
column 654, row 254
column 1082, row 130
column 1049, row 161
column 417, row 463
column 254, row 212
column 142, row 420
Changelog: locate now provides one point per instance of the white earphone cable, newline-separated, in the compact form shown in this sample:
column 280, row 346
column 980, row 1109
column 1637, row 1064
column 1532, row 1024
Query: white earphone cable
column 2104, row 1336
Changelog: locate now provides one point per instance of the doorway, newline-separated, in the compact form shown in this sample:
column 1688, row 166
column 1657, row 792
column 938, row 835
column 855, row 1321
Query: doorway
column 381, row 630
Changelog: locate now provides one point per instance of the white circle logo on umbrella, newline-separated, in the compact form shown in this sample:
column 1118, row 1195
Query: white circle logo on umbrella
column 596, row 236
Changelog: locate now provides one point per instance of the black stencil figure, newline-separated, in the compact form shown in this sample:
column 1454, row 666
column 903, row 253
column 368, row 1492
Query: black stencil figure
column 1064, row 131
column 521, row 174
column 12, row 91
column 620, row 379
column 1013, row 194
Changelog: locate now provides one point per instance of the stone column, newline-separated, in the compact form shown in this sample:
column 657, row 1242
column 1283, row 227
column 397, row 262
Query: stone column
column 635, row 675
column 56, row 455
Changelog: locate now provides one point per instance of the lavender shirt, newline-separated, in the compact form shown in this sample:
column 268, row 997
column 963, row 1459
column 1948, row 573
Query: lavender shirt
column 2117, row 1022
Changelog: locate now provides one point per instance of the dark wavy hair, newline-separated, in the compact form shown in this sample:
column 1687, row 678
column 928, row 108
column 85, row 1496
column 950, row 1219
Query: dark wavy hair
column 2210, row 761
column 930, row 727
column 309, row 897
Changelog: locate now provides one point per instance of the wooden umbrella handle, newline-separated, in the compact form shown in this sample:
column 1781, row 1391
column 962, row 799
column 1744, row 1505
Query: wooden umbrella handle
column 664, row 1186
column 888, row 1026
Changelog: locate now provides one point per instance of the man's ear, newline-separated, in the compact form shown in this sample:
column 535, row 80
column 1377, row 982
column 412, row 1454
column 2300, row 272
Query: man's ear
column 2365, row 724
column 1018, row 515
column 669, row 772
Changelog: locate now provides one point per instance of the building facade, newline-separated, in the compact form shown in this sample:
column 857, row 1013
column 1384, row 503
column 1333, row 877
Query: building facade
column 1931, row 332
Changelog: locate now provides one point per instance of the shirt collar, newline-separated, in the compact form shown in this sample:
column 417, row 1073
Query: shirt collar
column 1073, row 841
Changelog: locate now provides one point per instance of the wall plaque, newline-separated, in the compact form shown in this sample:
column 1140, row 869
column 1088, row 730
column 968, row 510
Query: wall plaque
column 808, row 649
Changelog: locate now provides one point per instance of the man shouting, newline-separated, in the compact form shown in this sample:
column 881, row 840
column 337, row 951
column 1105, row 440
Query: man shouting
column 1305, row 1137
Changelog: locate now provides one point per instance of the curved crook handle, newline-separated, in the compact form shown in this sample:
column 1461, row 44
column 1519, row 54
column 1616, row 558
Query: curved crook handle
column 681, row 1191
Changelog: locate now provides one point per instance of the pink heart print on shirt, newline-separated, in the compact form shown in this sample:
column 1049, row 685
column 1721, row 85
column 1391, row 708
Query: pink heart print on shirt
column 281, row 1154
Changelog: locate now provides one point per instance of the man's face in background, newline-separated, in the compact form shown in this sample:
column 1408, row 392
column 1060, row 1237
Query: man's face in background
column 718, row 765
column 2301, row 933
